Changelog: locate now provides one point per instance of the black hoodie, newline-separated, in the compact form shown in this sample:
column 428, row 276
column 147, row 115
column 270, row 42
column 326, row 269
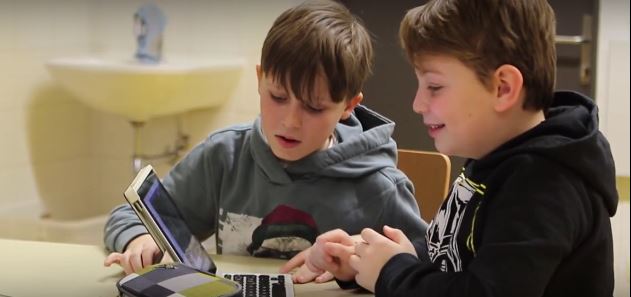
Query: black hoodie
column 532, row 218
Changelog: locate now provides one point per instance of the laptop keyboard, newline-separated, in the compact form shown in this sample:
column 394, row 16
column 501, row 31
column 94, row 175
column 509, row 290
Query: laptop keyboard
column 263, row 285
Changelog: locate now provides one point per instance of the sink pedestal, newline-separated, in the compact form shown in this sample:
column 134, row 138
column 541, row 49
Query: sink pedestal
column 170, row 155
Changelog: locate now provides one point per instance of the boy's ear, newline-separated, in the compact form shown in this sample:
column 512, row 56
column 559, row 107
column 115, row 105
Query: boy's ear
column 259, row 74
column 351, row 104
column 509, row 84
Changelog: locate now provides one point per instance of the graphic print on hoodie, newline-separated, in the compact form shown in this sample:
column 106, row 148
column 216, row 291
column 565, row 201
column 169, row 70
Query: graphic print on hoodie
column 282, row 233
column 444, row 230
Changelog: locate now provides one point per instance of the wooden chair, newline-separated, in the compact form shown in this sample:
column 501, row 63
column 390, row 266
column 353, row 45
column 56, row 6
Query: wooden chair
column 429, row 172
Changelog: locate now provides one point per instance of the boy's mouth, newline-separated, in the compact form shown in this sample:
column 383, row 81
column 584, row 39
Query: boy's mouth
column 432, row 129
column 287, row 142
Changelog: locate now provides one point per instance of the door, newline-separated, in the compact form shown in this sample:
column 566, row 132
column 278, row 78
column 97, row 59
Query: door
column 576, row 48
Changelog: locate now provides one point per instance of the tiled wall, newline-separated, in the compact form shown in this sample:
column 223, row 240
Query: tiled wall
column 76, row 159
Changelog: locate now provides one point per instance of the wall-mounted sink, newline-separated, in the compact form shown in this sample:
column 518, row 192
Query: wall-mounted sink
column 140, row 91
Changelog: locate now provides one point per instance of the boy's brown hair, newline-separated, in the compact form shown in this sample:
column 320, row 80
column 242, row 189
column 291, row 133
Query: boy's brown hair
column 485, row 34
column 318, row 38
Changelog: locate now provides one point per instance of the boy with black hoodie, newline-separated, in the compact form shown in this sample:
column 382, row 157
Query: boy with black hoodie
column 530, row 213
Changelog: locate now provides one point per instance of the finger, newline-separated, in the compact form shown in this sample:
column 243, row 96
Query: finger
column 294, row 262
column 112, row 258
column 127, row 269
column 370, row 235
column 135, row 262
column 315, row 268
column 357, row 237
column 337, row 235
column 400, row 238
column 325, row 277
column 320, row 267
column 147, row 257
column 354, row 262
column 301, row 279
column 395, row 234
column 304, row 275
column 360, row 248
column 339, row 250
column 125, row 264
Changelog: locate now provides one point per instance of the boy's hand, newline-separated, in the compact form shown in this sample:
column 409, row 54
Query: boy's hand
column 331, row 252
column 140, row 252
column 303, row 274
column 373, row 254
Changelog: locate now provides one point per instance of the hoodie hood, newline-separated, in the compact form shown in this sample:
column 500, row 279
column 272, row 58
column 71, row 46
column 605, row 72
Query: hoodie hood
column 570, row 136
column 362, row 142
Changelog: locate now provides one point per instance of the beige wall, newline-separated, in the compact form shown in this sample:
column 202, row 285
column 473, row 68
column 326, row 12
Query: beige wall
column 57, row 150
column 612, row 81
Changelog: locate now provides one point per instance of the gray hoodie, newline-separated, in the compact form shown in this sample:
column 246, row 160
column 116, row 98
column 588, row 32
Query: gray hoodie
column 232, row 185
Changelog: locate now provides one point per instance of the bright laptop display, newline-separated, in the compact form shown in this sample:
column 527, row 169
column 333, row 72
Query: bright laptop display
column 156, row 209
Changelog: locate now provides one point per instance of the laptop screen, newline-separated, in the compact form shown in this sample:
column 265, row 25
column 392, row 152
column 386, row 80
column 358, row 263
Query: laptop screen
column 160, row 206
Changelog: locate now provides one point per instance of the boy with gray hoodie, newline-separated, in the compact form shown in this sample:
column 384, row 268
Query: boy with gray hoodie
column 313, row 161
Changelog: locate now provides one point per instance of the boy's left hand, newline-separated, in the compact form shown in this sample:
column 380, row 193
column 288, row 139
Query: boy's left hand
column 371, row 255
column 303, row 274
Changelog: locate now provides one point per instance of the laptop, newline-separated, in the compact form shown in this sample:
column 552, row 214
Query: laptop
column 157, row 211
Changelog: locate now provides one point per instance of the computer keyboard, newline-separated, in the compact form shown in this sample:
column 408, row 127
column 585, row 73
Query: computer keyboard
column 263, row 285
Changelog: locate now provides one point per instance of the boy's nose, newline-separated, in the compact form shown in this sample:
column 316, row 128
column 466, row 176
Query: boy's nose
column 419, row 105
column 293, row 116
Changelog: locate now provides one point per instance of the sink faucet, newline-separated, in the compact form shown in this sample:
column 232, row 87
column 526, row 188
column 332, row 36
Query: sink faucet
column 149, row 23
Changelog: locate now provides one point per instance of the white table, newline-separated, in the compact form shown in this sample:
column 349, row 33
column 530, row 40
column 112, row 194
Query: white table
column 35, row 269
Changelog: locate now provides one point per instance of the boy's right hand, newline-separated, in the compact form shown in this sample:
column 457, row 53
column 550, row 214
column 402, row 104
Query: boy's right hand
column 331, row 252
column 142, row 251
column 375, row 251
column 302, row 274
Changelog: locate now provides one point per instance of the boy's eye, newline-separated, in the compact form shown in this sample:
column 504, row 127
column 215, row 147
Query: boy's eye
column 278, row 98
column 434, row 88
column 314, row 109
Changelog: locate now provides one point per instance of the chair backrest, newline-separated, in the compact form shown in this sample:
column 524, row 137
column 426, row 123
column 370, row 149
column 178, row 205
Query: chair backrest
column 429, row 172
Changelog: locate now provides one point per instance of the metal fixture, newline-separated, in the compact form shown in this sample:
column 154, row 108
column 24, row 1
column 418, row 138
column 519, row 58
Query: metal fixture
column 586, row 43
